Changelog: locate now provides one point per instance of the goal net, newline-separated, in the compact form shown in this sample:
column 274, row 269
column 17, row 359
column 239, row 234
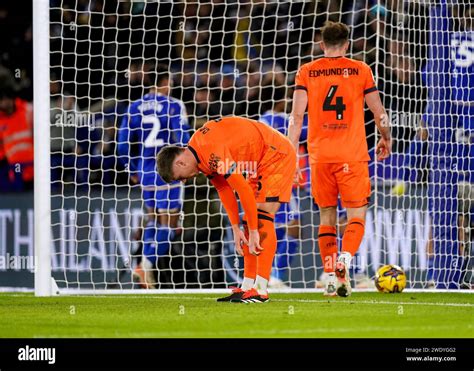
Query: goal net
column 240, row 58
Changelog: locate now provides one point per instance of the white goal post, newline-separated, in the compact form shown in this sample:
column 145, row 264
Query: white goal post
column 91, row 61
column 42, row 184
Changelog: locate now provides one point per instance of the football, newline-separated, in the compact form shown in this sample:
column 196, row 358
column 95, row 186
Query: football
column 390, row 279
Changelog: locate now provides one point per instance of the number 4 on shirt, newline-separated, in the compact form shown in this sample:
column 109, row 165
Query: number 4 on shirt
column 339, row 107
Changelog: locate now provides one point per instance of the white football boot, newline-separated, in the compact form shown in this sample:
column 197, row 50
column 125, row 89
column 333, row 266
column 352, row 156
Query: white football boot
column 343, row 286
column 330, row 285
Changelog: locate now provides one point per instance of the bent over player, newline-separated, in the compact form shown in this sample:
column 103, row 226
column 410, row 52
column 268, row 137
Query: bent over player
column 223, row 150
column 333, row 88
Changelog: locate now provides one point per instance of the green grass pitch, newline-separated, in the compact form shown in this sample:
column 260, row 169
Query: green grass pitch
column 199, row 315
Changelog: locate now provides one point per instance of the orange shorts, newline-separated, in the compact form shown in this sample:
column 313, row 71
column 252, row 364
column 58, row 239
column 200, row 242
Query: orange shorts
column 273, row 180
column 350, row 180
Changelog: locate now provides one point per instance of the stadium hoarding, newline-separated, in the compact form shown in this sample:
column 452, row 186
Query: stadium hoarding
column 93, row 242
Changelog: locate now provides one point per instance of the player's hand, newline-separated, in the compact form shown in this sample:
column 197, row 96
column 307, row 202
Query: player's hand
column 239, row 239
column 298, row 178
column 384, row 149
column 254, row 243
column 134, row 179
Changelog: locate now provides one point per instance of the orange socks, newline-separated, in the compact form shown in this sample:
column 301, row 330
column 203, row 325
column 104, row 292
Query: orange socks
column 353, row 235
column 268, row 241
column 327, row 240
column 351, row 240
column 250, row 261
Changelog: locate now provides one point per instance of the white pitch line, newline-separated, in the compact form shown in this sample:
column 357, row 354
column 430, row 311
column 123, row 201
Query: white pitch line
column 337, row 301
column 346, row 301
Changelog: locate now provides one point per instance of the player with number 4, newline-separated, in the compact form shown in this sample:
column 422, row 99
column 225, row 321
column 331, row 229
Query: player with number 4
column 334, row 88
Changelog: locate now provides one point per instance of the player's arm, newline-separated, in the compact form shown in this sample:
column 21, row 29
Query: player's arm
column 125, row 138
column 300, row 101
column 227, row 196
column 384, row 146
column 249, row 204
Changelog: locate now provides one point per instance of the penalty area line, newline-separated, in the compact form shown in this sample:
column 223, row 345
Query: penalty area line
column 381, row 302
column 337, row 301
column 316, row 301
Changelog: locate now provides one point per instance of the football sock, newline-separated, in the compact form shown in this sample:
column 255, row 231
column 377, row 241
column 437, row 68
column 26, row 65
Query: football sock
column 286, row 249
column 268, row 242
column 156, row 240
column 149, row 243
column 327, row 241
column 247, row 283
column 353, row 235
column 261, row 285
column 250, row 264
column 148, row 268
column 331, row 278
column 278, row 264
column 164, row 237
column 429, row 274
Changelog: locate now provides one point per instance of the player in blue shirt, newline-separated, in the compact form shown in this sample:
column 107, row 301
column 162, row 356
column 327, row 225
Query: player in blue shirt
column 150, row 123
column 462, row 96
column 450, row 123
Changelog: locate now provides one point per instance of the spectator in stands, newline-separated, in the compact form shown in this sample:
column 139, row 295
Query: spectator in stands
column 415, row 162
column 254, row 87
column 229, row 96
column 16, row 137
column 17, row 46
column 203, row 108
column 63, row 134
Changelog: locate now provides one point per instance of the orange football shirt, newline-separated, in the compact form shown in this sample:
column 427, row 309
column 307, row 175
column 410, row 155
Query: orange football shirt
column 336, row 88
column 235, row 144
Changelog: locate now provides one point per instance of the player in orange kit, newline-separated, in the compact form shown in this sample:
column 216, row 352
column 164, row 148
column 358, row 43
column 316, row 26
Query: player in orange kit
column 334, row 88
column 224, row 150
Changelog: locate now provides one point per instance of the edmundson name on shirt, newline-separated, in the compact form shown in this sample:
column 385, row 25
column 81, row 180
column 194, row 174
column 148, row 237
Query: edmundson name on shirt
column 334, row 72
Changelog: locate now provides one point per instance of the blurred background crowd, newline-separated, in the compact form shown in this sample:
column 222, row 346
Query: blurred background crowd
column 225, row 57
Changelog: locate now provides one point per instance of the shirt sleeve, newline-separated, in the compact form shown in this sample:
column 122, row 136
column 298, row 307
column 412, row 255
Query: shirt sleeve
column 301, row 80
column 125, row 138
column 227, row 196
column 247, row 198
column 369, row 84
